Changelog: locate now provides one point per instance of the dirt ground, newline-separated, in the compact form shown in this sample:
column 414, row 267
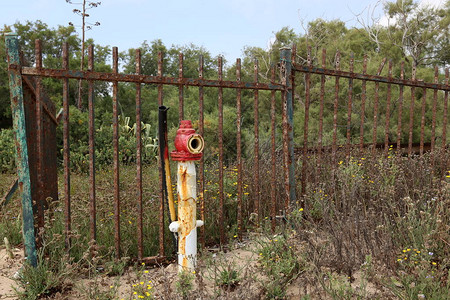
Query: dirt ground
column 9, row 267
column 163, row 279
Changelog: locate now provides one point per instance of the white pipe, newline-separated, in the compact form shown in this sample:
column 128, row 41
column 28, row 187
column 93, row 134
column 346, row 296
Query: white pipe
column 187, row 223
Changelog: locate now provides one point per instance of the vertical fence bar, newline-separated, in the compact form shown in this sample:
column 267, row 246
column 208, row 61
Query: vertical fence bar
column 257, row 208
column 201, row 167
column 160, row 74
column 375, row 108
column 220, row 127
column 116, row 155
column 335, row 112
column 322, row 96
column 160, row 165
column 92, row 196
column 444, row 122
column 400, row 109
column 293, row 58
column 288, row 128
column 306, row 122
column 66, row 148
column 273, row 204
column 239, row 148
column 140, row 232
column 388, row 110
column 411, row 111
column 363, row 105
column 422, row 121
column 180, row 89
column 349, row 106
column 19, row 125
column 39, row 142
column 433, row 124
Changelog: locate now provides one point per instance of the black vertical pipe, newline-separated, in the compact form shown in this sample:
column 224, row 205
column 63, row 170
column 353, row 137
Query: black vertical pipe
column 163, row 158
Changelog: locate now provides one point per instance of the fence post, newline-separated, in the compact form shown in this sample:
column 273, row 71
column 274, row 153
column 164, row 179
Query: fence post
column 19, row 125
column 288, row 126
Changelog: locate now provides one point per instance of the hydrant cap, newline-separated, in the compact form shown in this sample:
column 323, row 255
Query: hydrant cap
column 186, row 124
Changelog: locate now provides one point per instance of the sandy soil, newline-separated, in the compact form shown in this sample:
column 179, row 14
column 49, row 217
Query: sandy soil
column 163, row 279
column 8, row 267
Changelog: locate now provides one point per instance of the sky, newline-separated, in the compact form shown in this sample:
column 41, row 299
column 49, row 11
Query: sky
column 223, row 27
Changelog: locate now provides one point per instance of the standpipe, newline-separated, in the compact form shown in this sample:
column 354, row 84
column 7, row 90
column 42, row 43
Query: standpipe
column 165, row 166
column 189, row 146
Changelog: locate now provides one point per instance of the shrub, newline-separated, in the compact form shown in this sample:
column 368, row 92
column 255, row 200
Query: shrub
column 7, row 151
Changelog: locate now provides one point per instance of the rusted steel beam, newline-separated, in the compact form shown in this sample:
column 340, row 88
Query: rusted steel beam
column 293, row 59
column 349, row 107
column 273, row 199
column 335, row 111
column 45, row 101
column 147, row 79
column 201, row 166
column 115, row 69
column 256, row 189
column 388, row 111
column 19, row 125
column 66, row 149
column 322, row 96
column 433, row 122
column 92, row 196
column 288, row 126
column 180, row 89
column 363, row 105
column 375, row 107
column 400, row 107
column 379, row 146
column 160, row 75
column 422, row 121
column 220, row 128
column 305, row 124
column 140, row 231
column 39, row 201
column 444, row 122
column 239, row 148
column 411, row 111
column 155, row 260
column 375, row 78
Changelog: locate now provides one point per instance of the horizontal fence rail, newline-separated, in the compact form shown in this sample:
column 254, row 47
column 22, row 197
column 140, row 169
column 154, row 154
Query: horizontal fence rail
column 146, row 79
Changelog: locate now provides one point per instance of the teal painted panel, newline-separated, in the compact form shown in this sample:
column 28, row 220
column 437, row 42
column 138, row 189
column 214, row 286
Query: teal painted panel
column 19, row 124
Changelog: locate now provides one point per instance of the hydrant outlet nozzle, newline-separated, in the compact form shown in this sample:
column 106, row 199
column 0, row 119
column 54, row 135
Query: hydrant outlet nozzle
column 188, row 144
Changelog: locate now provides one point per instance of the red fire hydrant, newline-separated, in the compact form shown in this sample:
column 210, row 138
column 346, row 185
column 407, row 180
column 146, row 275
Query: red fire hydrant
column 189, row 146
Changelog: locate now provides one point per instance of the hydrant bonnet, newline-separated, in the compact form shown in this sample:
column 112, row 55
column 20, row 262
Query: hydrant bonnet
column 189, row 145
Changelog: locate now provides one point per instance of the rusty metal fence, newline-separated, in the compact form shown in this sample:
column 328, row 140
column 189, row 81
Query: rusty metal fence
column 33, row 127
column 281, row 95
column 355, row 133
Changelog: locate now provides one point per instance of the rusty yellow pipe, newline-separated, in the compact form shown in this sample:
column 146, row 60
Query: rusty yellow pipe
column 170, row 199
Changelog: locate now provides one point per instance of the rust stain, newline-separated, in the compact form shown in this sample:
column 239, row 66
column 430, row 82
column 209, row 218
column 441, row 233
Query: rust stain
column 186, row 213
